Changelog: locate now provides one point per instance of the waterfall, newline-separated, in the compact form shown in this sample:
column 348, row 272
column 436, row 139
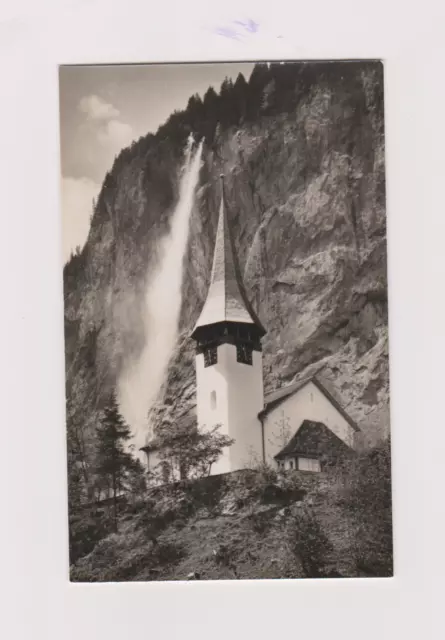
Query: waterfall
column 141, row 382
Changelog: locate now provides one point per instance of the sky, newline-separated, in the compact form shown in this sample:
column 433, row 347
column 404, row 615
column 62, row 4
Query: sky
column 103, row 109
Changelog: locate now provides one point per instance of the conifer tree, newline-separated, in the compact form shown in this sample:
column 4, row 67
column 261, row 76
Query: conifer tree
column 240, row 93
column 210, row 99
column 258, row 80
column 226, row 105
column 210, row 114
column 195, row 110
column 113, row 463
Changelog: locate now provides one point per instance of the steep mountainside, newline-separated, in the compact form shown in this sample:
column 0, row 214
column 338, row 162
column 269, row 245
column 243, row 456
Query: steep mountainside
column 302, row 149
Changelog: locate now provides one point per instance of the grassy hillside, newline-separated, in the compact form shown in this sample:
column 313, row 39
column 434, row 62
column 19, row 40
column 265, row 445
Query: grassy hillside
column 250, row 524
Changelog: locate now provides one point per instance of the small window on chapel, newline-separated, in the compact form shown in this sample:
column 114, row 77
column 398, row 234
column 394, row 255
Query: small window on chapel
column 210, row 356
column 244, row 354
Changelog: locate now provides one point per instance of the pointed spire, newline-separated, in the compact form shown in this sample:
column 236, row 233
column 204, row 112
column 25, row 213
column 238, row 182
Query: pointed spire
column 226, row 298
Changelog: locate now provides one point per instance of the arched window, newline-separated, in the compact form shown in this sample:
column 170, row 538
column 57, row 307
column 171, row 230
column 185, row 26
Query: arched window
column 213, row 400
column 244, row 353
column 210, row 356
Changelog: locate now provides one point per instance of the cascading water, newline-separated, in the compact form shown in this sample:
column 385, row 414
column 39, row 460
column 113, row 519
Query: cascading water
column 141, row 382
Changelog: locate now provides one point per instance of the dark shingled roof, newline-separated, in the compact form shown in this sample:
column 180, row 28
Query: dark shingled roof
column 314, row 440
column 226, row 298
column 275, row 398
column 152, row 442
column 153, row 446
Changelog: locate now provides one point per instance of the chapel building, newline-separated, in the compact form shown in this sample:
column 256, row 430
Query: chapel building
column 300, row 426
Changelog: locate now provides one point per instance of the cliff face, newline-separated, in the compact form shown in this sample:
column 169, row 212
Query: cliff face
column 306, row 200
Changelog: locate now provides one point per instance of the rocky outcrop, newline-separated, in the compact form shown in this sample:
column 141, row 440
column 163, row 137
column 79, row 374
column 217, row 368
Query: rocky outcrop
column 305, row 191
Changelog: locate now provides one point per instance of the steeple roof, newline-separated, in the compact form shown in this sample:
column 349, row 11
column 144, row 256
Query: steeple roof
column 226, row 298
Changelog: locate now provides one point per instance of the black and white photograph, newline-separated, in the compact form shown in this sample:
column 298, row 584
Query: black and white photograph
column 226, row 321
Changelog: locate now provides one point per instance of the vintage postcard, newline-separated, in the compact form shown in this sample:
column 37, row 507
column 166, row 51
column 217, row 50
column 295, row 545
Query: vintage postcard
column 226, row 321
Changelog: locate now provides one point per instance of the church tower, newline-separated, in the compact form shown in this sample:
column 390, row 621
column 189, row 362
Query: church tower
column 229, row 367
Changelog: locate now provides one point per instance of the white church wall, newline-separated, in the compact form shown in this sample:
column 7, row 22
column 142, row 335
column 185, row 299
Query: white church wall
column 152, row 460
column 212, row 399
column 309, row 464
column 309, row 403
column 230, row 393
column 246, row 400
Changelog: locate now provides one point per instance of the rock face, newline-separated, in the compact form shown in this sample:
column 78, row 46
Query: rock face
column 305, row 190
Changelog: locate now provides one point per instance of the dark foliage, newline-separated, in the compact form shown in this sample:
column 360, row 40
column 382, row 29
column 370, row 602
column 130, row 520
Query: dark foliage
column 74, row 269
column 205, row 495
column 86, row 529
column 155, row 516
column 115, row 468
column 368, row 497
column 265, row 485
column 185, row 452
column 307, row 542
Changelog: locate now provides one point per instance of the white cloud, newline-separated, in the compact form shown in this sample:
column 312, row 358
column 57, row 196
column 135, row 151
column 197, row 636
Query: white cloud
column 115, row 134
column 104, row 134
column 100, row 137
column 77, row 207
column 97, row 109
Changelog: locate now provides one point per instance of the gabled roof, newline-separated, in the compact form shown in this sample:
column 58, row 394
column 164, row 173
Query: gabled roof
column 226, row 298
column 275, row 398
column 314, row 439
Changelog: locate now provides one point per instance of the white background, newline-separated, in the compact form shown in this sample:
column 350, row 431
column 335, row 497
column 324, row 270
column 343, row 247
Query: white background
column 37, row 601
